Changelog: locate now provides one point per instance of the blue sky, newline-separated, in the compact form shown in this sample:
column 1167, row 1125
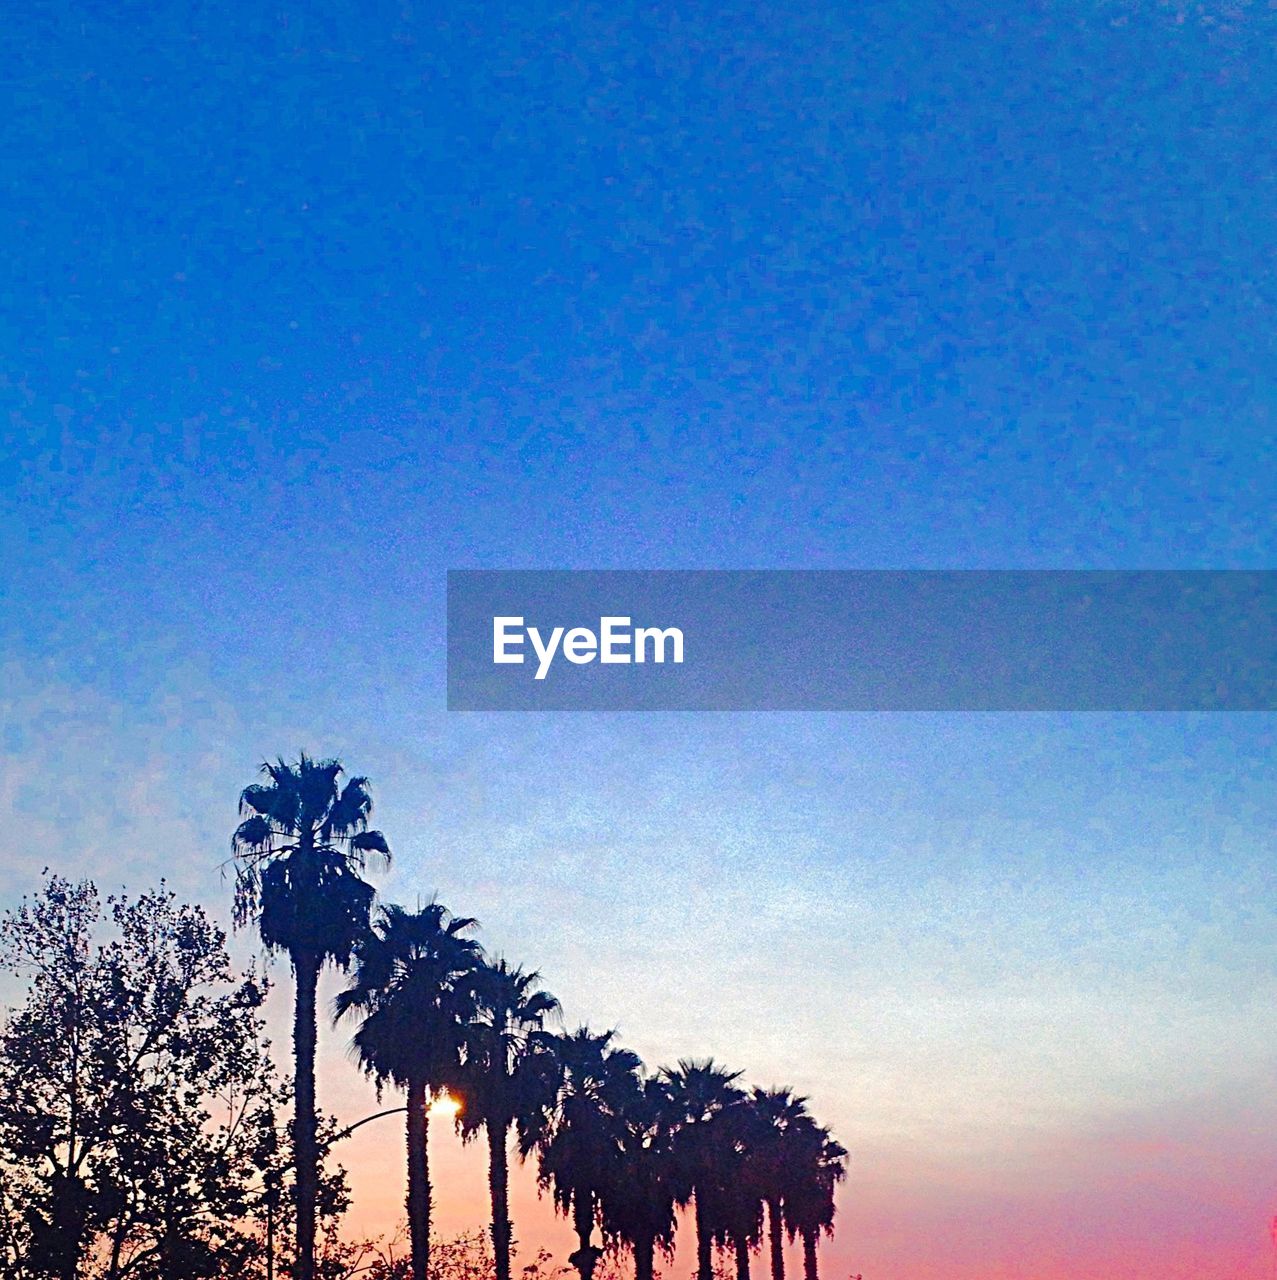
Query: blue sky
column 300, row 311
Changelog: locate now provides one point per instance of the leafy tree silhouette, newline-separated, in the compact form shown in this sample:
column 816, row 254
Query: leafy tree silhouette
column 132, row 1080
column 507, row 1078
column 413, row 983
column 298, row 858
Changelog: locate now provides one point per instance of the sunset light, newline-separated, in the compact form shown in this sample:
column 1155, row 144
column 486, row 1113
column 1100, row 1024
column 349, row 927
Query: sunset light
column 638, row 642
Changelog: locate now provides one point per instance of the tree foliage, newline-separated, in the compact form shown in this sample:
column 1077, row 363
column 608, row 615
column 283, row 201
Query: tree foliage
column 135, row 1087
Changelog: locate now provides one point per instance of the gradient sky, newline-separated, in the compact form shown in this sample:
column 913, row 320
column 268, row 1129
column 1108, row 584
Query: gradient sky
column 300, row 311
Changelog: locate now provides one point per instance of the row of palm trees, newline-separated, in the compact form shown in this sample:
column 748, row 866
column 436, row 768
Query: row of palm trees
column 621, row 1150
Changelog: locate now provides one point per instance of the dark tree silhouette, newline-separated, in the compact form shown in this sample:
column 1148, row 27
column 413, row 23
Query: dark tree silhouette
column 736, row 1205
column 817, row 1165
column 113, row 1161
column 413, row 985
column 128, row 1076
column 639, row 1204
column 705, row 1094
column 299, row 855
column 578, row 1132
column 507, row 1078
column 779, row 1113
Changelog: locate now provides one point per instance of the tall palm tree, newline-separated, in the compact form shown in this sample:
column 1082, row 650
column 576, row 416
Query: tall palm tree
column 736, row 1208
column 640, row 1202
column 706, row 1093
column 507, row 1077
column 412, row 982
column 818, row 1165
column 578, row 1131
column 299, row 854
column 780, row 1112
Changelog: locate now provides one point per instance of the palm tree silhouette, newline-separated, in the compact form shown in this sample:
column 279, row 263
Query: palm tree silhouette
column 704, row 1092
column 736, row 1207
column 413, row 984
column 507, row 1077
column 779, row 1113
column 298, row 859
column 818, row 1165
column 578, row 1131
column 639, row 1205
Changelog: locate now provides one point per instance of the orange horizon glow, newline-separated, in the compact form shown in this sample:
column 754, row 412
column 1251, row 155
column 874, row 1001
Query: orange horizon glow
column 1114, row 1204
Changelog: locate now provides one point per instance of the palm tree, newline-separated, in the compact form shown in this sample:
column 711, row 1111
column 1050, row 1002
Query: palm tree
column 779, row 1112
column 578, row 1131
column 507, row 1077
column 639, row 1205
column 412, row 983
column 705, row 1092
column 819, row 1165
column 736, row 1206
column 298, row 859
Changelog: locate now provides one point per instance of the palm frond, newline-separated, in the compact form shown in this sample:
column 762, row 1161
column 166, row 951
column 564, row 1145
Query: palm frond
column 349, row 811
column 364, row 843
column 253, row 835
column 410, row 983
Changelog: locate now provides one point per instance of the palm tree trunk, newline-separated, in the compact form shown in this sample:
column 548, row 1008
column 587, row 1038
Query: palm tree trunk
column 704, row 1243
column 586, row 1254
column 419, row 1179
column 742, row 1258
column 644, row 1259
column 776, row 1239
column 305, row 1144
column 809, row 1255
column 499, row 1185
